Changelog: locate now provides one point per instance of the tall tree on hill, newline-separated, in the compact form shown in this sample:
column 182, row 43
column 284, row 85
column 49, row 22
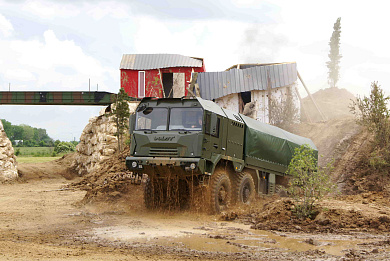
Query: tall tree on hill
column 334, row 55
column 121, row 115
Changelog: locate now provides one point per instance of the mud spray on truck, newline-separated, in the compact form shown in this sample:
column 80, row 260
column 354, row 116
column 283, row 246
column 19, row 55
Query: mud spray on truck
column 184, row 143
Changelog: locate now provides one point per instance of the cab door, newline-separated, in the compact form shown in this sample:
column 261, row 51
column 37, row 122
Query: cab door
column 212, row 140
column 235, row 138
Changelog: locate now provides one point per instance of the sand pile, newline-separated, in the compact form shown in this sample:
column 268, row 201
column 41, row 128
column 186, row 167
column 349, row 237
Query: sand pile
column 97, row 142
column 333, row 102
column 8, row 169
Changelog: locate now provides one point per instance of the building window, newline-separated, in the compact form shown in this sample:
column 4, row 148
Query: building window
column 141, row 84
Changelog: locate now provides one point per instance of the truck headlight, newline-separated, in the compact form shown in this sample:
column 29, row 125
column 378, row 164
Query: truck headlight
column 193, row 166
column 134, row 164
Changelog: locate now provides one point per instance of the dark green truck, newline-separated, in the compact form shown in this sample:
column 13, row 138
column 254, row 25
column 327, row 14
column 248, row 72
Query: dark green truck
column 182, row 142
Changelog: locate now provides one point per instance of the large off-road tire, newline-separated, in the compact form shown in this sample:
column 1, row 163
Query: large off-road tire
column 243, row 188
column 220, row 191
column 149, row 197
column 155, row 193
column 184, row 194
column 159, row 193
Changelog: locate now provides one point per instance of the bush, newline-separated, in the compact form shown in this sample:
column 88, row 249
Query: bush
column 372, row 112
column 64, row 147
column 308, row 183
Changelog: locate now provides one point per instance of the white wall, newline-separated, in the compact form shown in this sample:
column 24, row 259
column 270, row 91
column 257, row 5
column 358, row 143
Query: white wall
column 260, row 98
column 229, row 102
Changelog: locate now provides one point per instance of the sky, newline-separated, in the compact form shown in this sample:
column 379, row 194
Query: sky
column 59, row 45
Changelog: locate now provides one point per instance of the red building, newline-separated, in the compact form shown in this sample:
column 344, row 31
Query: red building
column 158, row 75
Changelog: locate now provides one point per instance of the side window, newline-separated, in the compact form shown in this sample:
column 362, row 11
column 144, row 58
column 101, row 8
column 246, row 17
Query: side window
column 216, row 132
column 141, row 84
column 208, row 123
column 212, row 125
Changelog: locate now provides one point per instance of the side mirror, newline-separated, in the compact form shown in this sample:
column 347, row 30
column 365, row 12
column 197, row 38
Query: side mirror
column 141, row 107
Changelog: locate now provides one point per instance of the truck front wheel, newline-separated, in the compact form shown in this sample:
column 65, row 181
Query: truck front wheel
column 154, row 193
column 149, row 194
column 221, row 191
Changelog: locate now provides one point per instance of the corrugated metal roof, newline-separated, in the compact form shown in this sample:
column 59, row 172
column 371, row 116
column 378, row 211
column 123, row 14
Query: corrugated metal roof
column 155, row 61
column 214, row 85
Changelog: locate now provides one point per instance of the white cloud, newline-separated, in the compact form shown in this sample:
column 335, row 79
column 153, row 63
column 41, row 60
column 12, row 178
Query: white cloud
column 6, row 28
column 50, row 9
column 19, row 74
column 113, row 9
column 43, row 58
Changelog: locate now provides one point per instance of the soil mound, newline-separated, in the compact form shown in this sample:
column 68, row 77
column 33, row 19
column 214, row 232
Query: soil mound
column 53, row 169
column 333, row 102
column 332, row 137
column 111, row 184
column 332, row 216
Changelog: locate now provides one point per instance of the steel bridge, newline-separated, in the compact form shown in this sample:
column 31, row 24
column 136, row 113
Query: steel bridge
column 57, row 98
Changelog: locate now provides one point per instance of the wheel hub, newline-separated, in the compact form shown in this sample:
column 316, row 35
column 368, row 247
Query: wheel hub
column 222, row 195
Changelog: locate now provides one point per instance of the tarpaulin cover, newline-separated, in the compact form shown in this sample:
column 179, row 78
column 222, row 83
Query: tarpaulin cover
column 271, row 144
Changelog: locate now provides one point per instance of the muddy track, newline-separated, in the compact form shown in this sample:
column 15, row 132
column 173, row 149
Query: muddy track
column 43, row 219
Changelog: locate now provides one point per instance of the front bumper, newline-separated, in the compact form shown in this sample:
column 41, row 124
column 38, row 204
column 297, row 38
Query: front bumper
column 150, row 165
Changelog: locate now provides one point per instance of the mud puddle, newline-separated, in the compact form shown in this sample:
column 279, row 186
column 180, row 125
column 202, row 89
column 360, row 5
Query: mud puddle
column 230, row 237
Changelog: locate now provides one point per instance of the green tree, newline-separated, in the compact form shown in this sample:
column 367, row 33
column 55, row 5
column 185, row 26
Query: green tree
column 8, row 129
column 29, row 135
column 373, row 113
column 28, row 132
column 308, row 183
column 334, row 55
column 121, row 115
column 284, row 112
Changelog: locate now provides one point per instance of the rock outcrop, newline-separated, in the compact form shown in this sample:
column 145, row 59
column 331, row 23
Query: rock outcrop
column 8, row 169
column 97, row 142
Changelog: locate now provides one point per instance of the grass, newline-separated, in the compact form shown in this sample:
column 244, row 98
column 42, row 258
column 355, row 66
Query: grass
column 36, row 154
column 35, row 151
column 21, row 159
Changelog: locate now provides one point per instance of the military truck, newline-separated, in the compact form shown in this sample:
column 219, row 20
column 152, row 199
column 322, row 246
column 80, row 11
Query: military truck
column 185, row 142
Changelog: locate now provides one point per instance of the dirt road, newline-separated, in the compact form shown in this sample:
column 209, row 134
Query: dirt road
column 41, row 219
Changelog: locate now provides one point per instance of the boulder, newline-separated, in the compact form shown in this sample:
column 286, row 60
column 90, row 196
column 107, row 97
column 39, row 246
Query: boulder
column 8, row 170
column 97, row 142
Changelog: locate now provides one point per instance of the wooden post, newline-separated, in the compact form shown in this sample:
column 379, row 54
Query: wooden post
column 162, row 85
column 189, row 91
column 194, row 85
column 302, row 105
column 311, row 97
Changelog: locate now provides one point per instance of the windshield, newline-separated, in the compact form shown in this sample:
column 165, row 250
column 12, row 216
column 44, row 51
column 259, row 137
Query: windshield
column 186, row 119
column 152, row 119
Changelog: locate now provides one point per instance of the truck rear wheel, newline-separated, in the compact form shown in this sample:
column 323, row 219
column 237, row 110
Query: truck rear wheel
column 244, row 188
column 221, row 191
